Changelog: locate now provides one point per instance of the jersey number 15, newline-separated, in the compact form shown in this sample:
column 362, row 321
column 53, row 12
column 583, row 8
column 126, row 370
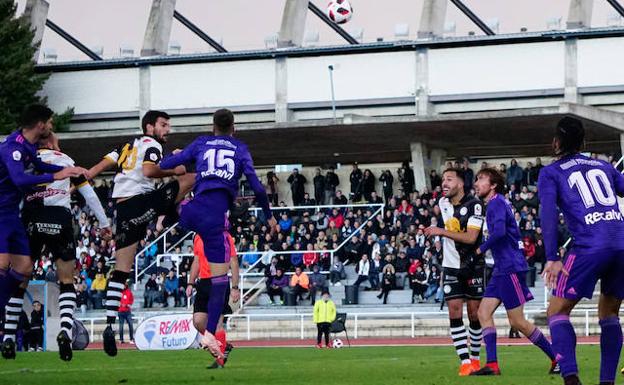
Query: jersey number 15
column 597, row 190
column 220, row 159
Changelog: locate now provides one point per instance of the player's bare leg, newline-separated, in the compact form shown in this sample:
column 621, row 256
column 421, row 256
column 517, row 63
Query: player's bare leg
column 124, row 259
column 67, row 304
column 610, row 337
column 21, row 266
column 475, row 331
column 563, row 337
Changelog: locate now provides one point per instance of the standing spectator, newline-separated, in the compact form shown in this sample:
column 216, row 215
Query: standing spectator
column 319, row 186
column 331, row 183
column 469, row 177
column 401, row 265
column 337, row 272
column 125, row 313
column 276, row 285
column 529, row 250
column 151, row 291
column 299, row 283
column 387, row 181
column 36, row 327
column 318, row 283
column 324, row 315
column 406, row 178
column 363, row 269
column 435, row 179
column 297, row 186
column 540, row 254
column 171, row 288
column 368, row 184
column 356, row 183
column 514, row 175
column 530, row 175
column 374, row 271
column 272, row 181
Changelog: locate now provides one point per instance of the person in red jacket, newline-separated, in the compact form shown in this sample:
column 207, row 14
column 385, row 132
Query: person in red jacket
column 125, row 313
column 529, row 250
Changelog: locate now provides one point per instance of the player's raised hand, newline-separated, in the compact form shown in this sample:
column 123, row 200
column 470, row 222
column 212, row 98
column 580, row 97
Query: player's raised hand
column 69, row 172
column 433, row 231
column 272, row 222
column 106, row 233
column 235, row 295
column 180, row 170
column 551, row 273
column 189, row 290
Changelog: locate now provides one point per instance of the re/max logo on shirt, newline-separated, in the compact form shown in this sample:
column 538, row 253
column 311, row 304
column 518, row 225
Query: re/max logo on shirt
column 220, row 173
column 595, row 217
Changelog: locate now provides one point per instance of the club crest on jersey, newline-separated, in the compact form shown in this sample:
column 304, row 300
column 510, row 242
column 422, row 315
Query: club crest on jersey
column 477, row 210
column 463, row 211
column 17, row 156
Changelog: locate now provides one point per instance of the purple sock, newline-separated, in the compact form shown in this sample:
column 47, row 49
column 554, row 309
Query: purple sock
column 610, row 348
column 218, row 288
column 563, row 343
column 538, row 339
column 9, row 281
column 489, row 338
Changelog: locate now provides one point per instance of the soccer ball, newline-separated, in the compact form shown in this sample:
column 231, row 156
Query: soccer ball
column 339, row 11
column 337, row 343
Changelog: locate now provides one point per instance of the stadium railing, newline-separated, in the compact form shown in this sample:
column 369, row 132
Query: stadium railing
column 353, row 319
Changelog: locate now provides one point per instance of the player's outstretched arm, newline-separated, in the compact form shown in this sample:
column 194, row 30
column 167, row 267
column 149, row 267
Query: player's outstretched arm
column 469, row 237
column 103, row 165
column 193, row 273
column 235, row 269
column 152, row 170
column 94, row 203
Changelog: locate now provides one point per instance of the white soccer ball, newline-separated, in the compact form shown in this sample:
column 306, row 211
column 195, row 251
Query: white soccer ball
column 337, row 343
column 339, row 11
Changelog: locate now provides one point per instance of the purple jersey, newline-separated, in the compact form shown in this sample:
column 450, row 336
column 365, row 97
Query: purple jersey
column 220, row 162
column 503, row 238
column 585, row 191
column 17, row 155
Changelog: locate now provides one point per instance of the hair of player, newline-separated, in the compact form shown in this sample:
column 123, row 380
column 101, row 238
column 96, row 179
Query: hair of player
column 571, row 135
column 223, row 121
column 496, row 178
column 458, row 172
column 34, row 114
column 151, row 117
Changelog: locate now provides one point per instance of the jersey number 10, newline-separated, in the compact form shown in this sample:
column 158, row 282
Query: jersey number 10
column 597, row 190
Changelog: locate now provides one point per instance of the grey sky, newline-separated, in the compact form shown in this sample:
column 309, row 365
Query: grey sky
column 244, row 24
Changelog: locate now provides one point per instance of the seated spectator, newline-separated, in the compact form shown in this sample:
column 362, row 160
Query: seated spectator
column 337, row 217
column 39, row 274
column 340, row 199
column 434, row 284
column 151, row 291
column 299, row 283
column 388, row 281
column 337, row 272
column 276, row 285
column 171, row 288
column 250, row 259
column 363, row 270
column 310, row 257
column 401, row 266
column 270, row 270
column 296, row 259
column 182, row 284
column 98, row 290
column 285, row 223
column 82, row 297
column 318, row 282
column 418, row 282
column 352, row 250
column 529, row 250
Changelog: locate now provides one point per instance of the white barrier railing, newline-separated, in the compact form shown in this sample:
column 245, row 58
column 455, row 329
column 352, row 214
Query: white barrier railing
column 355, row 317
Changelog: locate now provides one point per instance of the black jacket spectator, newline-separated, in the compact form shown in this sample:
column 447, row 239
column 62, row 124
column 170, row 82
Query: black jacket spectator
column 387, row 180
column 319, row 186
column 297, row 186
column 355, row 178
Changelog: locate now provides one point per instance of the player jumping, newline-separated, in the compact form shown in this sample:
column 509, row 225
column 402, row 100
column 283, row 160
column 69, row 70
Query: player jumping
column 201, row 269
column 585, row 190
column 220, row 161
column 508, row 283
column 138, row 202
column 463, row 269
column 18, row 153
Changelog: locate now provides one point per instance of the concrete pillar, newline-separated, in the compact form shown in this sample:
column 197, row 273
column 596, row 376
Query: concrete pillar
column 421, row 93
column 158, row 29
column 419, row 162
column 580, row 14
column 282, row 113
column 571, row 94
column 438, row 159
column 432, row 19
column 145, row 90
column 293, row 23
column 622, row 143
column 36, row 13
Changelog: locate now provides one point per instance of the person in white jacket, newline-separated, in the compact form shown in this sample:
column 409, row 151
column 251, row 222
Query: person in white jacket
column 362, row 268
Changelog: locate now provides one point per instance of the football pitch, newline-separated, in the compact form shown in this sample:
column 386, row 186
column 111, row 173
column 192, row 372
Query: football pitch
column 258, row 366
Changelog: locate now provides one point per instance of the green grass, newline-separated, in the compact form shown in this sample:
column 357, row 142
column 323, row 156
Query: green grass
column 293, row 366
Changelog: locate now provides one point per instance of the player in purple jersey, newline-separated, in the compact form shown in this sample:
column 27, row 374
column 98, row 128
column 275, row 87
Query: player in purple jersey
column 508, row 283
column 18, row 153
column 220, row 162
column 585, row 190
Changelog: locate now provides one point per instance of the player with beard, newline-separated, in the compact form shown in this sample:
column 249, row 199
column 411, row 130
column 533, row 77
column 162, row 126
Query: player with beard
column 463, row 269
column 138, row 202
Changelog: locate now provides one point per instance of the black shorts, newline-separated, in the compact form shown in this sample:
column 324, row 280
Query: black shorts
column 468, row 283
column 203, row 295
column 136, row 213
column 52, row 228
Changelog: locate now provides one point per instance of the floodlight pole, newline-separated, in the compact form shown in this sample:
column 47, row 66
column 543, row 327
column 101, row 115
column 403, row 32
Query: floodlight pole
column 331, row 83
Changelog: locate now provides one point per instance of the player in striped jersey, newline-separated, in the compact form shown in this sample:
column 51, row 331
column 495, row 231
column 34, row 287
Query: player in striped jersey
column 199, row 278
column 138, row 201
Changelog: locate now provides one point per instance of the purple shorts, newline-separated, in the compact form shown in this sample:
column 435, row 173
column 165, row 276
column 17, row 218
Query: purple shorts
column 206, row 215
column 13, row 238
column 585, row 269
column 510, row 289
